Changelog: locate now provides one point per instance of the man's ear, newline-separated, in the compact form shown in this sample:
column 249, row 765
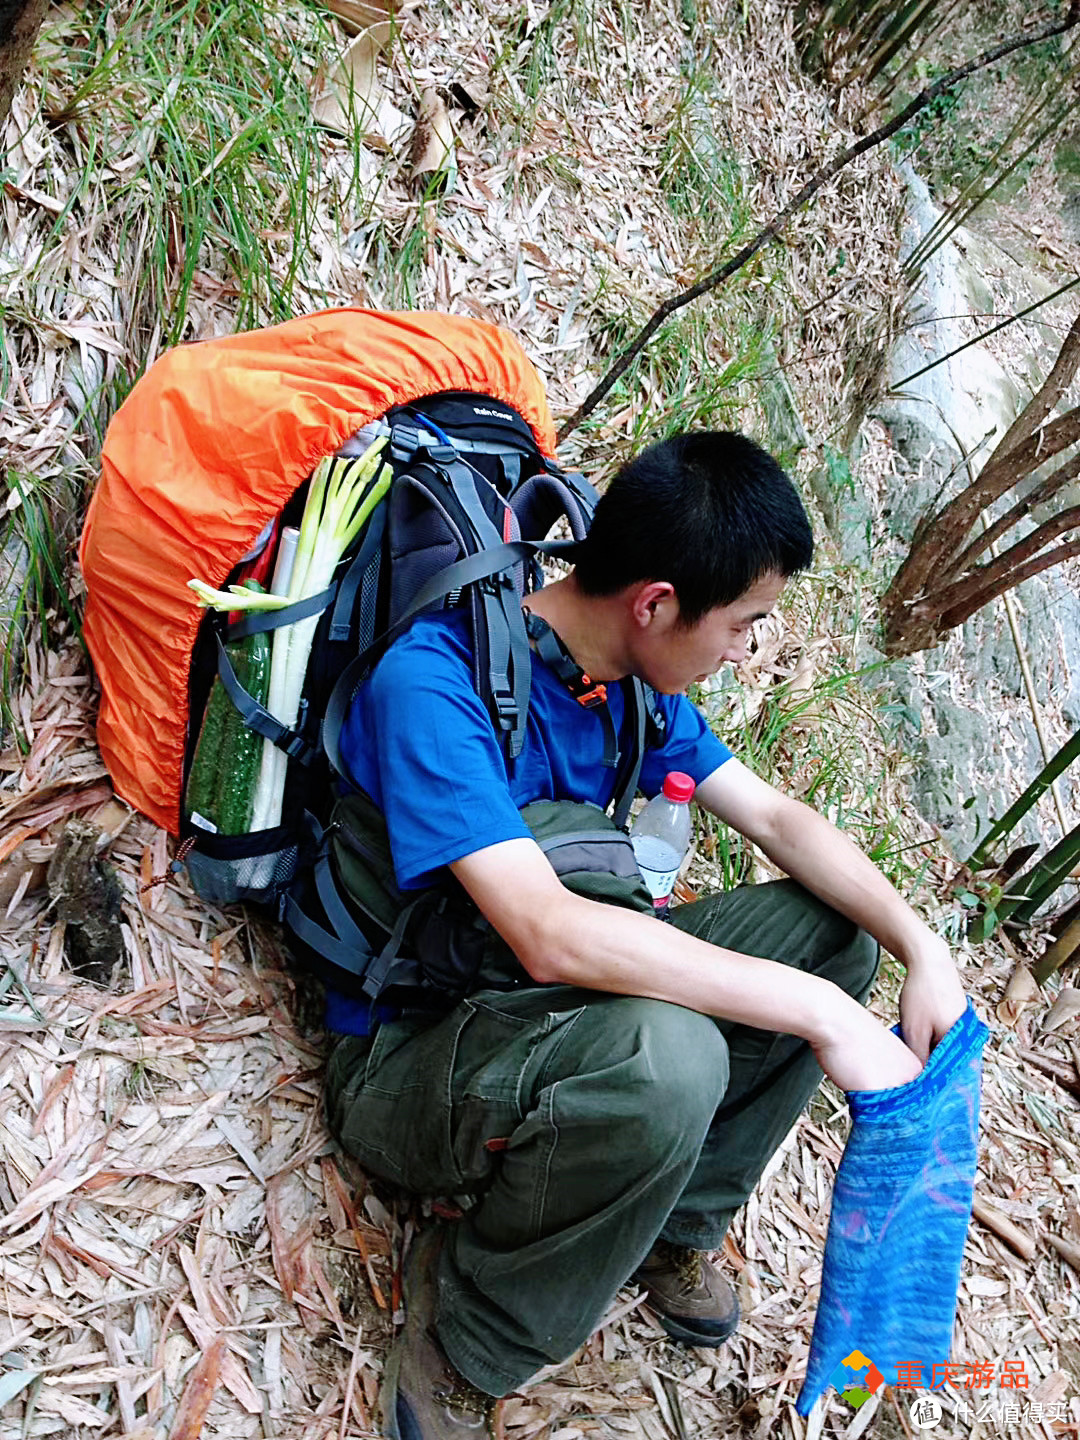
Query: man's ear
column 653, row 600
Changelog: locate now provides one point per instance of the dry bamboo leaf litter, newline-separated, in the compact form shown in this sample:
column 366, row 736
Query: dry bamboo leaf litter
column 170, row 1106
column 166, row 1191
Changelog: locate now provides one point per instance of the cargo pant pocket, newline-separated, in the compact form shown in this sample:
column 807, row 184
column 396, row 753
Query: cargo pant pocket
column 392, row 1111
column 501, row 1062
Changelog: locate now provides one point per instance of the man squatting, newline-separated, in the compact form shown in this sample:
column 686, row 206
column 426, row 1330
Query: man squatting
column 612, row 1111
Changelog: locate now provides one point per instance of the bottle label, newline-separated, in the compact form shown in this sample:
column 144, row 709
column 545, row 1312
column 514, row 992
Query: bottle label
column 659, row 865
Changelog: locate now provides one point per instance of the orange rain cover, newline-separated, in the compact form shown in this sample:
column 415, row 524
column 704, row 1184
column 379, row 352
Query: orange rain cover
column 209, row 446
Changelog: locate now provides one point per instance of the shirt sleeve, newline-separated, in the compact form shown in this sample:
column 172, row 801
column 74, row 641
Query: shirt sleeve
column 434, row 765
column 689, row 746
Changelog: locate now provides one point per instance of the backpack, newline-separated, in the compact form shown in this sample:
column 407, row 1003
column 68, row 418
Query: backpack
column 428, row 948
column 212, row 447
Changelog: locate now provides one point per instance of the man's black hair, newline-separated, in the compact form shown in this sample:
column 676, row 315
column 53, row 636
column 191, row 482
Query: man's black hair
column 710, row 512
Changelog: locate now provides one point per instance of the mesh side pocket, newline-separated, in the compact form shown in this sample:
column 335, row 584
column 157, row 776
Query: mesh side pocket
column 258, row 867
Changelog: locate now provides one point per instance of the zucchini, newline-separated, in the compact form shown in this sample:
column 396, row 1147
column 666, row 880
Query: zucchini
column 225, row 766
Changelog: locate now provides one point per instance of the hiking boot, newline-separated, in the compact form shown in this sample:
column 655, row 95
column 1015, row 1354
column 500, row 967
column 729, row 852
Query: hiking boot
column 423, row 1397
column 693, row 1300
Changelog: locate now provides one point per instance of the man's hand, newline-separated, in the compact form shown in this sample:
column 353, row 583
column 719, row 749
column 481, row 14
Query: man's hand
column 932, row 998
column 857, row 1052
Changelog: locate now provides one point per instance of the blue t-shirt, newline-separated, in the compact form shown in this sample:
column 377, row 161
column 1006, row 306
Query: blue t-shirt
column 418, row 739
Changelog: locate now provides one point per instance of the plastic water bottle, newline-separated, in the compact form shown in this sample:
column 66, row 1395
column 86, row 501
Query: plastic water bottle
column 661, row 838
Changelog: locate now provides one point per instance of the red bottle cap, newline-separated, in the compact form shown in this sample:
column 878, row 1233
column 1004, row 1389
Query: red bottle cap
column 678, row 787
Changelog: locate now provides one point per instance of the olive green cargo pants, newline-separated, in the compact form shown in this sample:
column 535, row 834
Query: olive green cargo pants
column 588, row 1125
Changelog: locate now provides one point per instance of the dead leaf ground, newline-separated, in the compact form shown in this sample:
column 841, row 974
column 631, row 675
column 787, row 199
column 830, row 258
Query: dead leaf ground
column 180, row 1240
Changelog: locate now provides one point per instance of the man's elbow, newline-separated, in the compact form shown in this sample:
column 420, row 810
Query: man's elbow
column 547, row 960
column 544, row 946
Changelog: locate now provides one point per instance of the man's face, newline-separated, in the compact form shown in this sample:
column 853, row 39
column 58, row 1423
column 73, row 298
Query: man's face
column 678, row 656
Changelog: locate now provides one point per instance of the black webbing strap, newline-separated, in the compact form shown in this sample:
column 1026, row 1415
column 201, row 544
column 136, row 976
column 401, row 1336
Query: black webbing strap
column 346, row 945
column 508, row 665
column 338, row 952
column 584, row 690
column 256, row 717
column 261, row 622
column 390, row 967
column 341, row 620
column 510, row 469
column 497, row 605
column 627, row 783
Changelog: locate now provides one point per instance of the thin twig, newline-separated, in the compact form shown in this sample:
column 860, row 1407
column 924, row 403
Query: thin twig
column 827, row 172
column 984, row 335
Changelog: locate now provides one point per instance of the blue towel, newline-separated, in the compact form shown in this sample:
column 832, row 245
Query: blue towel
column 900, row 1213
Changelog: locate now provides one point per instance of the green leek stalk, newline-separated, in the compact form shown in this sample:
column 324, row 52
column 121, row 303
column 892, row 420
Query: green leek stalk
column 341, row 497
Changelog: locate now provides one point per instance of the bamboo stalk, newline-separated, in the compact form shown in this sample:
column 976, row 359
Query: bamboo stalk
column 1009, row 601
column 1020, row 807
column 985, row 335
column 1040, row 882
column 895, row 37
column 971, row 197
column 1056, row 955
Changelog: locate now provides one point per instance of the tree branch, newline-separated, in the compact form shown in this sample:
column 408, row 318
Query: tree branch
column 1048, row 396
column 723, row 272
column 963, row 610
column 1042, row 492
column 1001, row 568
column 951, row 527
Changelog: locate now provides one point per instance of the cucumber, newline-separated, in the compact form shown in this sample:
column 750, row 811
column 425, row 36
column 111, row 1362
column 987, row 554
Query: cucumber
column 200, row 797
column 225, row 766
column 241, row 758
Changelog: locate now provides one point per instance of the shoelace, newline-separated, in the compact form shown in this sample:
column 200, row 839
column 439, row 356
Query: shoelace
column 460, row 1396
column 686, row 1263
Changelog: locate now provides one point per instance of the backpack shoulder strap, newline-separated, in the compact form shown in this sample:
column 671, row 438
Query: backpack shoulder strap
column 502, row 671
column 585, row 691
column 483, row 564
column 648, row 729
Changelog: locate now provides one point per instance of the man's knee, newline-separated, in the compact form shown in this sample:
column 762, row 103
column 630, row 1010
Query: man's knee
column 670, row 1069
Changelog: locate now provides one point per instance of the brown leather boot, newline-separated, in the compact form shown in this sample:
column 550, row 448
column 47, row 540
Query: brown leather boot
column 696, row 1305
column 423, row 1397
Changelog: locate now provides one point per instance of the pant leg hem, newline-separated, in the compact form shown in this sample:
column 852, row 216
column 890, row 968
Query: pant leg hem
column 476, row 1367
column 701, row 1238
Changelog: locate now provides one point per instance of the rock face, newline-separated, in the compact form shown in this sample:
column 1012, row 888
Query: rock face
column 967, row 721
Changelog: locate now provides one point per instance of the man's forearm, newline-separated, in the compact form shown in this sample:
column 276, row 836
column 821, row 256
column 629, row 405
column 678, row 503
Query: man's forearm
column 603, row 947
column 814, row 852
column 562, row 938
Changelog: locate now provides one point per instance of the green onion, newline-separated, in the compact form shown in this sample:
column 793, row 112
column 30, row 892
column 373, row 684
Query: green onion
column 237, row 597
column 341, row 497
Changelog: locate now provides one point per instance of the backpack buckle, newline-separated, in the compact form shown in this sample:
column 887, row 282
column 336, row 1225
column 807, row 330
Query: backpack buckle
column 505, row 708
column 589, row 693
column 501, row 580
column 406, row 439
column 438, row 452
